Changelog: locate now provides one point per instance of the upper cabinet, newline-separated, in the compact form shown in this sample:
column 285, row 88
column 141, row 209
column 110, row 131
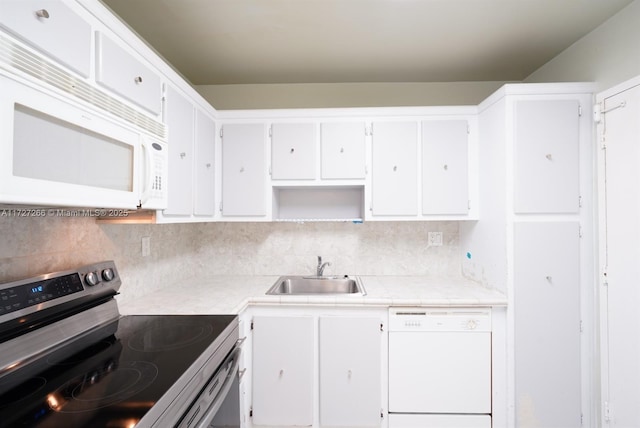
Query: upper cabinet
column 547, row 156
column 244, row 170
column 343, row 150
column 293, row 151
column 445, row 167
column 52, row 28
column 124, row 74
column 394, row 169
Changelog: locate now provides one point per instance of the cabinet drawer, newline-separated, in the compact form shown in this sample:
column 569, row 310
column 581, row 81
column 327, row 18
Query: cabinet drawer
column 51, row 27
column 121, row 72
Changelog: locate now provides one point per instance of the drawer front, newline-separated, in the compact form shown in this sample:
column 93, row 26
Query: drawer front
column 51, row 27
column 121, row 72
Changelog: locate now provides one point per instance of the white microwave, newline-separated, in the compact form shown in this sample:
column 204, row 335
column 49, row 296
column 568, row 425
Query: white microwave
column 58, row 152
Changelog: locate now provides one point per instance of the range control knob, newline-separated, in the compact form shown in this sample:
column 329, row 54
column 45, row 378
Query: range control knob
column 108, row 274
column 91, row 278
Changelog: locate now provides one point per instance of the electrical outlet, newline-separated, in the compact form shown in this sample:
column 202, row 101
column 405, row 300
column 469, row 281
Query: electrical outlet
column 435, row 239
column 146, row 246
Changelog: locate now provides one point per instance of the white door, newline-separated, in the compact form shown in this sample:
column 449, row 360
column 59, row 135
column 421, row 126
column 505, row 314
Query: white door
column 244, row 172
column 350, row 367
column 547, row 156
column 204, row 185
column 179, row 113
column 395, row 168
column 283, row 371
column 293, row 151
column 620, row 258
column 343, row 150
column 445, row 167
column 547, row 324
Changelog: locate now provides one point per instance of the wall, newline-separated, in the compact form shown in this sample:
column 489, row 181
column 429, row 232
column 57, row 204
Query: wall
column 319, row 95
column 608, row 55
column 31, row 246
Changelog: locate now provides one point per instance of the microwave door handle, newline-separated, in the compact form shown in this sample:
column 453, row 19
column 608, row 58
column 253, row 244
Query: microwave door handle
column 148, row 176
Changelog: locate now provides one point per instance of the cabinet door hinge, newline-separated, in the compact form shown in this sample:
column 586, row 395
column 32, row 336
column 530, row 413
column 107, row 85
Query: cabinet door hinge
column 221, row 133
column 250, row 412
column 270, row 131
column 580, row 201
column 368, row 130
column 251, row 326
column 580, row 231
column 606, row 412
column 381, row 326
column 581, row 326
column 579, row 110
column 468, row 128
column 270, row 173
column 381, row 413
column 220, row 206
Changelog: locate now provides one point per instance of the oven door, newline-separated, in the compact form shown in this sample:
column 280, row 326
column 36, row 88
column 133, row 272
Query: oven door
column 219, row 403
column 55, row 153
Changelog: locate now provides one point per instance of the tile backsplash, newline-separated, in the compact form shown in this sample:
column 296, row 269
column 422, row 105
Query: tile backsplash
column 31, row 246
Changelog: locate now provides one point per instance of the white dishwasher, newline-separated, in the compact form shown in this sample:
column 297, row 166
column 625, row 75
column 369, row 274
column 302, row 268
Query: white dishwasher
column 439, row 367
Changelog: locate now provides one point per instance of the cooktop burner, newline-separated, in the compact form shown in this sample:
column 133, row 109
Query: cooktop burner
column 124, row 373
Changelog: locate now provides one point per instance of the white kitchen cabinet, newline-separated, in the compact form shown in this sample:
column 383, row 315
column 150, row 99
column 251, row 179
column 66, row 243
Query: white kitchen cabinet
column 204, row 165
column 343, row 150
column 244, row 172
column 350, row 379
column 395, row 169
column 445, row 167
column 179, row 117
column 547, row 323
column 282, row 366
column 547, row 156
column 53, row 28
column 293, row 151
column 126, row 75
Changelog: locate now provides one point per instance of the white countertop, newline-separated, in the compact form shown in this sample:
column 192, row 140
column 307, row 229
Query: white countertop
column 231, row 294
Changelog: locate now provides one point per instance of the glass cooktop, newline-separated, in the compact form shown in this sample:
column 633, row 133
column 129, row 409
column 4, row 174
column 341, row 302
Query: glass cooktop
column 113, row 381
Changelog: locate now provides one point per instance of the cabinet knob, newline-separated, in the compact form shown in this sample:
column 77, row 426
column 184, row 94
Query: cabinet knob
column 549, row 279
column 446, row 167
column 281, row 372
column 341, row 149
column 42, row 13
column 241, row 169
column 349, row 373
column 208, row 165
column 549, row 157
column 395, row 167
column 292, row 150
column 138, row 79
column 183, row 155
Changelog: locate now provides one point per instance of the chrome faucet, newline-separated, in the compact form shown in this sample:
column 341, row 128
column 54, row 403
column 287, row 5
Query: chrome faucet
column 321, row 266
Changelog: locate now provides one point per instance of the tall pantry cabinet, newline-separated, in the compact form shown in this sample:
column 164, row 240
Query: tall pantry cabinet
column 535, row 243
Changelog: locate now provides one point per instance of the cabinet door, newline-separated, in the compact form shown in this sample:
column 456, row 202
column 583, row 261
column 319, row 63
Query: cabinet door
column 547, row 158
column 343, row 150
column 124, row 74
column 395, row 168
column 293, row 151
column 243, row 170
column 283, row 371
column 350, row 367
column 179, row 117
column 51, row 27
column 204, row 197
column 445, row 167
column 547, row 323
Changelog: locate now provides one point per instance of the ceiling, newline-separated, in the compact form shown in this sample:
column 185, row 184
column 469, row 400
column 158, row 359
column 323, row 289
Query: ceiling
column 213, row 42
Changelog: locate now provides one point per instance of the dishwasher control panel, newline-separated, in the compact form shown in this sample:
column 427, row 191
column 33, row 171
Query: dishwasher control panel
column 439, row 319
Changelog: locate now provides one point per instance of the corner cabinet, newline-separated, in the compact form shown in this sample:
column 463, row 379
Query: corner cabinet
column 316, row 367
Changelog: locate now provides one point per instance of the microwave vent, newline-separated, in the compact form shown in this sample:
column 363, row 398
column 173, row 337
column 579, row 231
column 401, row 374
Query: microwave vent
column 12, row 55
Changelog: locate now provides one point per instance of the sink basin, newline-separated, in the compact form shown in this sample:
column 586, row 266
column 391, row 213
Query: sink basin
column 297, row 285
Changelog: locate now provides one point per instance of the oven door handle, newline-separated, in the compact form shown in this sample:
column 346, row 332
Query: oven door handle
column 209, row 415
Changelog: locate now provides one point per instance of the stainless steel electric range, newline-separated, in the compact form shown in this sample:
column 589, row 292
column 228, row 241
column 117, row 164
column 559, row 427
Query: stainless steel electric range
column 68, row 359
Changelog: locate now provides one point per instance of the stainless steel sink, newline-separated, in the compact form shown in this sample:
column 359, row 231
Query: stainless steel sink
column 297, row 285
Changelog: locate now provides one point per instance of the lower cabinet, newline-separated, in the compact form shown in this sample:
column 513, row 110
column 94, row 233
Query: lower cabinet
column 317, row 368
